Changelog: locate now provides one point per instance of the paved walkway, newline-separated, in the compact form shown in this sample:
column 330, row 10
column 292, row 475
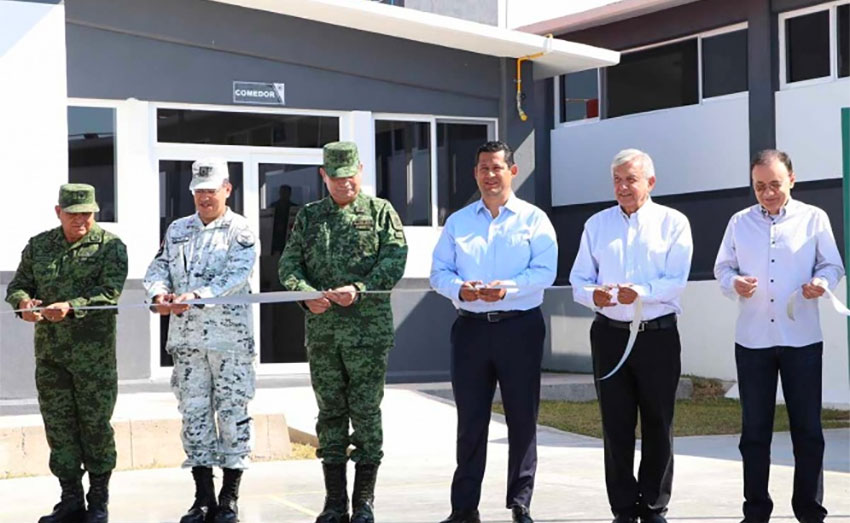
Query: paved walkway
column 414, row 480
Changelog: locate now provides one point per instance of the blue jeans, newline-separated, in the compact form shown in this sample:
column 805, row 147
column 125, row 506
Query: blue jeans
column 801, row 371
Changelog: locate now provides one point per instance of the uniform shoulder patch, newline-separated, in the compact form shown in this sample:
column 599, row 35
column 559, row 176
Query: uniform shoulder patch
column 245, row 238
column 396, row 221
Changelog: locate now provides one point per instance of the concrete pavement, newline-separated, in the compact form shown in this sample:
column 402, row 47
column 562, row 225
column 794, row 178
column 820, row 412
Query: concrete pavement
column 413, row 485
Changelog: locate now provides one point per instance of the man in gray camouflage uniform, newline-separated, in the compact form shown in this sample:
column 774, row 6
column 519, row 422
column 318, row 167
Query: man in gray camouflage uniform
column 209, row 254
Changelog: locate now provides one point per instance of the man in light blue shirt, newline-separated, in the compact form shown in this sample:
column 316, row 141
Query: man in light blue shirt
column 493, row 261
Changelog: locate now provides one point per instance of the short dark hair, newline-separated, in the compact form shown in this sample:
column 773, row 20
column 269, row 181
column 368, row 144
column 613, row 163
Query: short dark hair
column 768, row 156
column 494, row 147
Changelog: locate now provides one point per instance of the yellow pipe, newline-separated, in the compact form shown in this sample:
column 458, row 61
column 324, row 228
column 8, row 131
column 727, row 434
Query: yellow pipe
column 519, row 61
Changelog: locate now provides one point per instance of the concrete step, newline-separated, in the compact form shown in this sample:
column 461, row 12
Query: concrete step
column 558, row 387
column 147, row 435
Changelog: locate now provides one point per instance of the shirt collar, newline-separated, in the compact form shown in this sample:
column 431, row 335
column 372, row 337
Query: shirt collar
column 789, row 206
column 218, row 222
column 644, row 210
column 512, row 205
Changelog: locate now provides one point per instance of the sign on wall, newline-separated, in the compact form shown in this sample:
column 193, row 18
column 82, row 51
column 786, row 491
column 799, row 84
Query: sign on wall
column 258, row 93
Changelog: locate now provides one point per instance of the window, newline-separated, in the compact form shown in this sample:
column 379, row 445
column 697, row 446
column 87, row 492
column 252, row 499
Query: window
column 843, row 15
column 580, row 99
column 724, row 64
column 656, row 78
column 237, row 128
column 403, row 168
column 457, row 144
column 807, row 47
column 91, row 154
column 810, row 38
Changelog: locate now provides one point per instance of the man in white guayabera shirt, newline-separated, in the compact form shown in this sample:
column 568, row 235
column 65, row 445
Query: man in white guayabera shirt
column 637, row 249
column 771, row 250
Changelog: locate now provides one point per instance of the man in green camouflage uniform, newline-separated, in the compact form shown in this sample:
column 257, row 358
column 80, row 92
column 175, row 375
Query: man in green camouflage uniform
column 345, row 243
column 72, row 266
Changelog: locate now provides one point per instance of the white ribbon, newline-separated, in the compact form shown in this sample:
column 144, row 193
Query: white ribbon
column 839, row 307
column 233, row 299
column 634, row 328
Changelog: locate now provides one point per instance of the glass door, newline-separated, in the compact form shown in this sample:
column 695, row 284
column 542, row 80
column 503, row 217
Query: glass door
column 283, row 188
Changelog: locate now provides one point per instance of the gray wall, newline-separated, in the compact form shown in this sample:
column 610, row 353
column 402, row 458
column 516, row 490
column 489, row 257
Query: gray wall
column 17, row 362
column 192, row 51
column 482, row 11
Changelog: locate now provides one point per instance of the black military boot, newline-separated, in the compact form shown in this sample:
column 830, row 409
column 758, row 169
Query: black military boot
column 336, row 495
column 98, row 498
column 203, row 510
column 227, row 511
column 363, row 497
column 71, row 507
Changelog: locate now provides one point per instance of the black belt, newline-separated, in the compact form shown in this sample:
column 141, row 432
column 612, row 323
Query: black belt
column 493, row 316
column 668, row 321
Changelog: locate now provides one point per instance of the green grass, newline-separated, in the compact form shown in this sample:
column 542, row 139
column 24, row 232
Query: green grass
column 708, row 412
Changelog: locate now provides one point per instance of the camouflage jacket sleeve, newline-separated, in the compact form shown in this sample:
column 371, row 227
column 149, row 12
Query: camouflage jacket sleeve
column 22, row 286
column 111, row 282
column 290, row 268
column 241, row 255
column 158, row 276
column 392, row 253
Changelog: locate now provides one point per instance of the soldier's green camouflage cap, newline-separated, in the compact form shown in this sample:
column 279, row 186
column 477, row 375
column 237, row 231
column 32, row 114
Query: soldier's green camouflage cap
column 77, row 197
column 341, row 159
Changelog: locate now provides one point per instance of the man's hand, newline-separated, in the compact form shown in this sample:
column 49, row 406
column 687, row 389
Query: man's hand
column 488, row 294
column 56, row 312
column 814, row 289
column 162, row 303
column 746, row 286
column 342, row 296
column 31, row 316
column 177, row 305
column 602, row 297
column 626, row 295
column 469, row 290
column 318, row 306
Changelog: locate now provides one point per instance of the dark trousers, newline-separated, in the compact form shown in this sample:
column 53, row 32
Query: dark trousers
column 646, row 384
column 508, row 352
column 801, row 371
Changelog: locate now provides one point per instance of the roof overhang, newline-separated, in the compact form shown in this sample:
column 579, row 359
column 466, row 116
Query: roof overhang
column 560, row 56
column 606, row 14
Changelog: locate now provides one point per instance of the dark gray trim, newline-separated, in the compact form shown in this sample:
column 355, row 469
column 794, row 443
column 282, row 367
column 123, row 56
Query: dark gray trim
column 780, row 6
column 55, row 2
column 708, row 213
column 763, row 79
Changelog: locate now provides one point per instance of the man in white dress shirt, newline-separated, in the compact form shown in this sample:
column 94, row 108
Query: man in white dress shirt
column 771, row 250
column 637, row 249
column 499, row 241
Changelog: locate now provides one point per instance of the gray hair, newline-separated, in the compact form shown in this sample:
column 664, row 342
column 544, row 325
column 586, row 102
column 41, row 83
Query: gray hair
column 631, row 155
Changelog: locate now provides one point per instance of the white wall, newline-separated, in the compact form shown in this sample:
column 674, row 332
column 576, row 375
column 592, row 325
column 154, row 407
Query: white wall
column 808, row 127
column 695, row 148
column 33, row 121
column 707, row 331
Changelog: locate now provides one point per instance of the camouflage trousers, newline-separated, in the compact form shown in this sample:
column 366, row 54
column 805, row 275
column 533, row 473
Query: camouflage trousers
column 349, row 386
column 76, row 396
column 214, row 386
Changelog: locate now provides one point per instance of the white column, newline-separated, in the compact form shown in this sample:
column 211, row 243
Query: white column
column 33, row 121
column 358, row 127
